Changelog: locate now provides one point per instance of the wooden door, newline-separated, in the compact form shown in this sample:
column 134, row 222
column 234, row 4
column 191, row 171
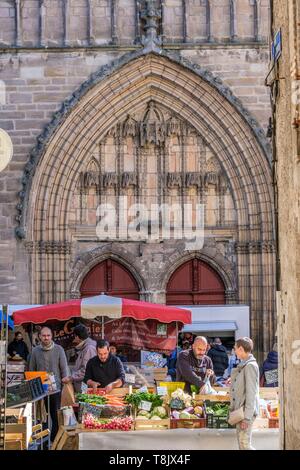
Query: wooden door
column 111, row 278
column 195, row 283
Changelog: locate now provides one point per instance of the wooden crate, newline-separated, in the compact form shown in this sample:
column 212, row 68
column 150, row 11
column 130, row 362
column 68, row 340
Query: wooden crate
column 81, row 428
column 188, row 423
column 152, row 424
column 66, row 439
column 269, row 393
column 14, row 441
column 202, row 398
column 23, row 426
column 273, row 422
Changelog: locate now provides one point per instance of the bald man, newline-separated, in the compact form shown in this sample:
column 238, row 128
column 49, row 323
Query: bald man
column 193, row 366
column 50, row 357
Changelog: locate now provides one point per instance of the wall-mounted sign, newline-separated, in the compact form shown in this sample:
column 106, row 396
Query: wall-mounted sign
column 277, row 46
column 6, row 149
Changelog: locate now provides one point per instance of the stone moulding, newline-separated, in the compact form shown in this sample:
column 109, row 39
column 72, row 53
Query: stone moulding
column 103, row 73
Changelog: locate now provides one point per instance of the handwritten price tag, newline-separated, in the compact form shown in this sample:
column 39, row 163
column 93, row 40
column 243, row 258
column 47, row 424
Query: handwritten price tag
column 143, row 390
column 130, row 378
column 145, row 405
column 161, row 391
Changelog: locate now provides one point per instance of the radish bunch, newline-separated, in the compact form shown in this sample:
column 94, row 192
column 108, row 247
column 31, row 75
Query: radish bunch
column 114, row 424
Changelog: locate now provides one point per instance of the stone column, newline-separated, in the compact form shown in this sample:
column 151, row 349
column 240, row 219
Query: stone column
column 90, row 29
column 137, row 23
column 184, row 21
column 233, row 21
column 66, row 17
column 114, row 36
column 18, row 24
column 208, row 21
column 42, row 23
column 257, row 323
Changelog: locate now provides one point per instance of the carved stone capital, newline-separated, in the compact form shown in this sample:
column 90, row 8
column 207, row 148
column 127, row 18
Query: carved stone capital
column 174, row 180
column 242, row 247
column 49, row 247
column 128, row 179
column 193, row 179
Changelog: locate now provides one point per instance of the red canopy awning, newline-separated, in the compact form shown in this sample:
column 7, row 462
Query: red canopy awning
column 102, row 305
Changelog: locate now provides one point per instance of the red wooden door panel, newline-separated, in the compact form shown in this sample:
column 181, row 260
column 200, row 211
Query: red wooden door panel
column 111, row 278
column 195, row 283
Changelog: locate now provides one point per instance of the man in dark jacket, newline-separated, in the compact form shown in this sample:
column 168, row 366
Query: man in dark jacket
column 85, row 349
column 18, row 347
column 193, row 366
column 104, row 370
column 269, row 376
column 219, row 357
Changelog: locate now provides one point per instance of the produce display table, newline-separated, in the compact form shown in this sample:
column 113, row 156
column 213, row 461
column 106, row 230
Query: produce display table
column 176, row 439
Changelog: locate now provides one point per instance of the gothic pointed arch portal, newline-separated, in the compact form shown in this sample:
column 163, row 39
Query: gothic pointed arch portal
column 111, row 278
column 154, row 130
column 195, row 283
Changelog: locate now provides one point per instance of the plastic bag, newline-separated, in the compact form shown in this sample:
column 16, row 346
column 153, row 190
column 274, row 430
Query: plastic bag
column 69, row 416
column 207, row 389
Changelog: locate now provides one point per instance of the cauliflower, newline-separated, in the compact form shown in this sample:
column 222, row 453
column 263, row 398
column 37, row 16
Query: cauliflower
column 155, row 417
column 159, row 411
column 184, row 397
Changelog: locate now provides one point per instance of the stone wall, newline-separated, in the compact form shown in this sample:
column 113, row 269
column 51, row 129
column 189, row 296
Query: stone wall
column 287, row 141
column 38, row 82
column 32, row 23
column 45, row 59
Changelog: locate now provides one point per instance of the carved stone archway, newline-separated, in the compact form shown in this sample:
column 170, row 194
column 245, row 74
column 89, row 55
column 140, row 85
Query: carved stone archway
column 88, row 260
column 103, row 103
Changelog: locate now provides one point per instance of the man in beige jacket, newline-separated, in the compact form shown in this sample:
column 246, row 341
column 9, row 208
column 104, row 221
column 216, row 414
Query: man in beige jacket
column 244, row 391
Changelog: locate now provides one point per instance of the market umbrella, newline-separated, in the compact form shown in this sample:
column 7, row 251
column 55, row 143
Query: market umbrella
column 102, row 306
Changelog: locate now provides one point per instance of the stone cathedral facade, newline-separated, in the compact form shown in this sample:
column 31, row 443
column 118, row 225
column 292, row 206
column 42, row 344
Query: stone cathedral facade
column 161, row 102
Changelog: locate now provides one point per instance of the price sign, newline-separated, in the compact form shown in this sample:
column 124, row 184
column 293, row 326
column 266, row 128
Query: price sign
column 145, row 405
column 162, row 391
column 130, row 378
column 143, row 390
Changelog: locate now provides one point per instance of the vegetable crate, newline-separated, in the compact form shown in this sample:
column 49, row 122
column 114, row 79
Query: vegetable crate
column 152, row 424
column 118, row 392
column 81, row 428
column 20, row 393
column 214, row 398
column 215, row 421
column 188, row 423
column 273, row 422
column 103, row 411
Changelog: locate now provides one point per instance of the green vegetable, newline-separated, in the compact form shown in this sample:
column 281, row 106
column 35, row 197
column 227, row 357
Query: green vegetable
column 218, row 409
column 135, row 399
column 195, row 389
column 86, row 398
column 159, row 411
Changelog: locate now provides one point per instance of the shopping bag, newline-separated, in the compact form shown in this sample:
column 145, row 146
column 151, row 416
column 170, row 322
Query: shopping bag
column 236, row 416
column 207, row 389
column 67, row 395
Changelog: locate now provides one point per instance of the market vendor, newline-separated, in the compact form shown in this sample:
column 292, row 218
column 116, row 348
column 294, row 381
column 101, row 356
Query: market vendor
column 193, row 366
column 104, row 370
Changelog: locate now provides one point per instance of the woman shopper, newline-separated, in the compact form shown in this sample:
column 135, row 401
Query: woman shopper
column 244, row 391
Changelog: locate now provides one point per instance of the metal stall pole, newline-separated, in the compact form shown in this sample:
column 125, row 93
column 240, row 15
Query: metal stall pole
column 3, row 373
